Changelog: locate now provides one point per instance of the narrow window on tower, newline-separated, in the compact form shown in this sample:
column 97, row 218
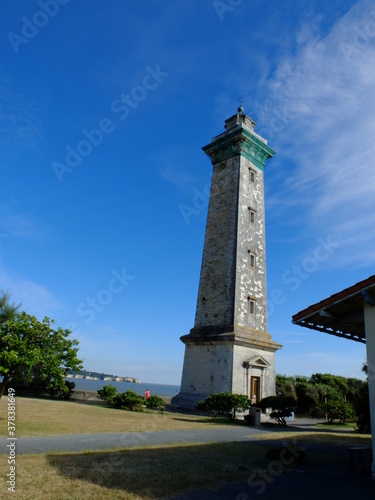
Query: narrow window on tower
column 251, row 307
column 252, row 261
column 252, row 175
column 252, row 216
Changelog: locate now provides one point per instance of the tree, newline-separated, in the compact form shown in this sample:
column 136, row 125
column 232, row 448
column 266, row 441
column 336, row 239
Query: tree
column 338, row 409
column 36, row 356
column 8, row 311
column 224, row 403
column 281, row 406
column 307, row 396
column 285, row 386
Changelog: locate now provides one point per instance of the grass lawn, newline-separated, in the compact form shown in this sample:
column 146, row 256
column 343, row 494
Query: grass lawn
column 159, row 472
column 141, row 473
column 132, row 473
column 44, row 417
column 338, row 425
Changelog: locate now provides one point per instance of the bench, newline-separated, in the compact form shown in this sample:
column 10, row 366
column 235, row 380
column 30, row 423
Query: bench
column 358, row 455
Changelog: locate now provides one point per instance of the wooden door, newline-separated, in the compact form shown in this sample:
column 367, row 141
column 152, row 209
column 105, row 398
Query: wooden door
column 255, row 389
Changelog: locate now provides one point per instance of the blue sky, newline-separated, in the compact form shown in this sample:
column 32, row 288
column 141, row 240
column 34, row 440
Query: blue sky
column 104, row 108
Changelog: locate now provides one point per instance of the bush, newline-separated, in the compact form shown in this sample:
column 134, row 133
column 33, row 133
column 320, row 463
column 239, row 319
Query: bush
column 155, row 403
column 107, row 393
column 281, row 406
column 64, row 391
column 338, row 409
column 224, row 403
column 128, row 400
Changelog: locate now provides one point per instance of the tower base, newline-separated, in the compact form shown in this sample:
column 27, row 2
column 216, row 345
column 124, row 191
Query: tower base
column 227, row 363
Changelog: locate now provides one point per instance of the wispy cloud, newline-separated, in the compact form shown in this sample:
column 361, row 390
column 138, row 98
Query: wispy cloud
column 20, row 225
column 322, row 102
column 35, row 298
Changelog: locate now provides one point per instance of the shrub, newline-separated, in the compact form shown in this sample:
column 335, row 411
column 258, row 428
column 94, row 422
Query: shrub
column 128, row 400
column 224, row 403
column 107, row 393
column 281, row 406
column 64, row 391
column 155, row 403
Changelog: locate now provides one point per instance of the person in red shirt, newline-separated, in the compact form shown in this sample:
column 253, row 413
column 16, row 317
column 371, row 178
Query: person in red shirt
column 147, row 394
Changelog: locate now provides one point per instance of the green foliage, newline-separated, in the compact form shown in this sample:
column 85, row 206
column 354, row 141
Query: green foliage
column 281, row 406
column 285, row 386
column 224, row 403
column 312, row 394
column 8, row 311
column 107, row 393
column 307, row 396
column 128, row 400
column 338, row 409
column 155, row 403
column 335, row 386
column 36, row 356
column 65, row 391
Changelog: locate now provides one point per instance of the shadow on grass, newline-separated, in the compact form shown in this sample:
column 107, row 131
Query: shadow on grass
column 241, row 468
column 162, row 472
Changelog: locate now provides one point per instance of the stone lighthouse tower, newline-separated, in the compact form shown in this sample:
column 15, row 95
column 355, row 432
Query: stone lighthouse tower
column 229, row 348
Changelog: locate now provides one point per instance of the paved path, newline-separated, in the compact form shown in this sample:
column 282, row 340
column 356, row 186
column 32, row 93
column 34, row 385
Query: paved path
column 110, row 441
column 326, row 478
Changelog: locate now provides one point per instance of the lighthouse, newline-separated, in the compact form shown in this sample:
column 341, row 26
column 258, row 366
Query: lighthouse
column 229, row 347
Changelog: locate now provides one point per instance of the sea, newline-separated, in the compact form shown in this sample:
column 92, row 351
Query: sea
column 156, row 389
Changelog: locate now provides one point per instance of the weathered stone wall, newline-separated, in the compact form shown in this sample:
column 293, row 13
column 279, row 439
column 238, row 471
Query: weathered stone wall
column 221, row 367
column 251, row 281
column 207, row 368
column 217, row 281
